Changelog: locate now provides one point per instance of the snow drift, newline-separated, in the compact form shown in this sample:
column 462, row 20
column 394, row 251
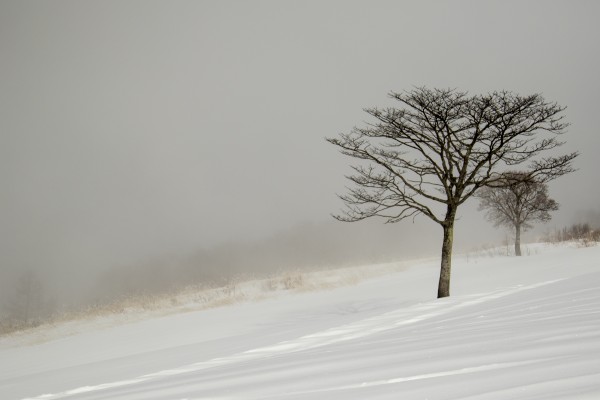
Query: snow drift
column 515, row 328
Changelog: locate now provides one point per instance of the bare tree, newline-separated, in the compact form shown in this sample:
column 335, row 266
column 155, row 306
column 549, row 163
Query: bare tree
column 516, row 201
column 439, row 148
column 26, row 305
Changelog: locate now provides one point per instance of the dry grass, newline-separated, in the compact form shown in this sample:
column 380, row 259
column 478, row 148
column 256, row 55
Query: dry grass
column 196, row 297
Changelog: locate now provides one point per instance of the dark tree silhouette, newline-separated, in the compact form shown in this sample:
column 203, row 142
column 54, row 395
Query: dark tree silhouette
column 516, row 202
column 439, row 148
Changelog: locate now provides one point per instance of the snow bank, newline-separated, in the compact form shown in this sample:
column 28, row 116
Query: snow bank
column 515, row 328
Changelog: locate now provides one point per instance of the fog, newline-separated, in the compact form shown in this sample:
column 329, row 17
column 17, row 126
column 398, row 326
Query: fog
column 189, row 135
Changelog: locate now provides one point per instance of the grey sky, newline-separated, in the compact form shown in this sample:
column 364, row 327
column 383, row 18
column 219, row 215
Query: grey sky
column 130, row 129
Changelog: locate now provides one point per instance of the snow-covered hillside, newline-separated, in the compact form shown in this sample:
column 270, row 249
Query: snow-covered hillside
column 514, row 328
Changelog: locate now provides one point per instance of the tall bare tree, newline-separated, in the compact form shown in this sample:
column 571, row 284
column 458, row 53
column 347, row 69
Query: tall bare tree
column 440, row 147
column 516, row 201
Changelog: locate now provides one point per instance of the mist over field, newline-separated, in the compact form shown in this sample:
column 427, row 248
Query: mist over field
column 148, row 145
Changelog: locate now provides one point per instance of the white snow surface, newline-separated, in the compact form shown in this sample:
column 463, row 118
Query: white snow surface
column 514, row 328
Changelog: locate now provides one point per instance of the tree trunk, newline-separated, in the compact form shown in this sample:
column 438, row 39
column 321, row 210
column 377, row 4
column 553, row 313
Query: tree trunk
column 448, row 226
column 518, row 239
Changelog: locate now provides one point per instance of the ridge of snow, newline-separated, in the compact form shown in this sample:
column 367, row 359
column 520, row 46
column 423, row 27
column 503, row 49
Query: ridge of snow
column 518, row 328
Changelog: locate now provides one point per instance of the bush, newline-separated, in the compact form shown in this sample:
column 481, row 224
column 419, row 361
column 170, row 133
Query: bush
column 582, row 233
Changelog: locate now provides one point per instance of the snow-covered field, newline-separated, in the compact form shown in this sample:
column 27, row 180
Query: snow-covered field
column 514, row 328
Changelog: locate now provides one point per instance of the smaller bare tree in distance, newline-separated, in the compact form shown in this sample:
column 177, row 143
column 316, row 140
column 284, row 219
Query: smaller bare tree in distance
column 516, row 201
